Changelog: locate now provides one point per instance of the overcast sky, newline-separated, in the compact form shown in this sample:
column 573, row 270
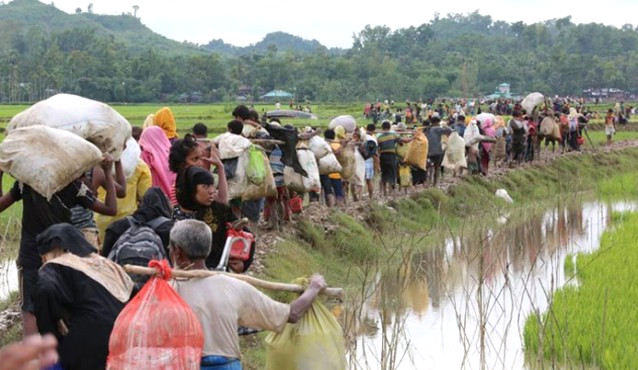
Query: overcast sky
column 333, row 22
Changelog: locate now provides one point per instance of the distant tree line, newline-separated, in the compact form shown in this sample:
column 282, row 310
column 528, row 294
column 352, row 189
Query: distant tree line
column 456, row 56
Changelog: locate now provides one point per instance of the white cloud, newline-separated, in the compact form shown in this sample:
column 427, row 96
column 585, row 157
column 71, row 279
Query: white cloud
column 333, row 22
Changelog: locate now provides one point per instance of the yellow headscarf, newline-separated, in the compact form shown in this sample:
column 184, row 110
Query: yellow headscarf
column 340, row 132
column 499, row 122
column 149, row 121
column 166, row 121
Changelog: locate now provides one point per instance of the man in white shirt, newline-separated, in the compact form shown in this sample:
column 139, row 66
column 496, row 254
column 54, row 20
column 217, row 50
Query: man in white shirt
column 222, row 303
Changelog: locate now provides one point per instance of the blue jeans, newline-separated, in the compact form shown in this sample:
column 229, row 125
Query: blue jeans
column 220, row 363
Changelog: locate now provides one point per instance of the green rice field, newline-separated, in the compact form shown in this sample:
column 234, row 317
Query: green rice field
column 594, row 321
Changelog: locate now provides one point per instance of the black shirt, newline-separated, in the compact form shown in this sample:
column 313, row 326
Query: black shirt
column 88, row 309
column 216, row 216
column 38, row 214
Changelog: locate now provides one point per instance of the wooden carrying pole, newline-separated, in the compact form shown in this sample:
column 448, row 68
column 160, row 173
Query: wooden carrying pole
column 258, row 283
column 267, row 141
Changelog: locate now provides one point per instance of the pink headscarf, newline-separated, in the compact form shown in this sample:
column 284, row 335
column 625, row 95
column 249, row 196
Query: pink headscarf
column 155, row 149
column 489, row 131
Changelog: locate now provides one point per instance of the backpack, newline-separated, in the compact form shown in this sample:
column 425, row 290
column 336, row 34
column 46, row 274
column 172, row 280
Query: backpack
column 138, row 246
column 369, row 149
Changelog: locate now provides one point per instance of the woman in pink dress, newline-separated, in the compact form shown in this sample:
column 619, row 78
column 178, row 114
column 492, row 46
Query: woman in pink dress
column 155, row 149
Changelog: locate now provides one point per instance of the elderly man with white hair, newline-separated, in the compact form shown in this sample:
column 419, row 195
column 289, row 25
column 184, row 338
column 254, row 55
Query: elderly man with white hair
column 222, row 303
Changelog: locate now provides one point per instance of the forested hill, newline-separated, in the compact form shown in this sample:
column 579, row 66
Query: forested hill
column 276, row 41
column 23, row 21
column 116, row 58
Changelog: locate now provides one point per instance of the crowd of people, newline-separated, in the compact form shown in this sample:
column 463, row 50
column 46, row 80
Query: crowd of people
column 175, row 206
column 177, row 203
column 488, row 138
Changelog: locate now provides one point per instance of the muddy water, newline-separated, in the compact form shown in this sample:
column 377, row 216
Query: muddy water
column 464, row 304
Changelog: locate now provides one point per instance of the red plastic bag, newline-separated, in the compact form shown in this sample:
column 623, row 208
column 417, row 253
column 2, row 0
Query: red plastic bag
column 156, row 330
column 296, row 205
column 241, row 243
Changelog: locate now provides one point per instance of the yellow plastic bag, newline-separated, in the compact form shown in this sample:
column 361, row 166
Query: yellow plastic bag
column 402, row 150
column 405, row 176
column 418, row 151
column 315, row 342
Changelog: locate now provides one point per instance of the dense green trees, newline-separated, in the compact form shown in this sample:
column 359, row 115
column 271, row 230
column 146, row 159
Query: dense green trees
column 455, row 55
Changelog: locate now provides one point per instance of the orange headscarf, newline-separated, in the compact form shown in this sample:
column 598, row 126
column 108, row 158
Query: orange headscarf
column 166, row 121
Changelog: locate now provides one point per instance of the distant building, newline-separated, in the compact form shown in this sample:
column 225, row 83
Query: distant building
column 245, row 90
column 504, row 88
column 192, row 97
column 607, row 94
column 502, row 92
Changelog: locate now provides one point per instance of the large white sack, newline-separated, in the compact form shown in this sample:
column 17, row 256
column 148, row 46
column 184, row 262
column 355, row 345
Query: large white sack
column 329, row 164
column 485, row 116
column 231, row 145
column 239, row 183
column 47, row 159
column 130, row 157
column 471, row 136
column 319, row 147
column 455, row 153
column 95, row 121
column 303, row 184
column 359, row 176
column 348, row 122
column 347, row 161
column 531, row 101
column 250, row 131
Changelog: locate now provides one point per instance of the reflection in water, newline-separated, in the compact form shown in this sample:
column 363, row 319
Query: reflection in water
column 464, row 305
column 8, row 278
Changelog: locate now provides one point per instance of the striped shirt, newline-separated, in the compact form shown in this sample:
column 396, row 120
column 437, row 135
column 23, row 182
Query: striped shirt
column 387, row 142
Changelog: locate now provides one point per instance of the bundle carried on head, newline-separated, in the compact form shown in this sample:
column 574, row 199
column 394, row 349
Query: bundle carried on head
column 92, row 120
column 45, row 158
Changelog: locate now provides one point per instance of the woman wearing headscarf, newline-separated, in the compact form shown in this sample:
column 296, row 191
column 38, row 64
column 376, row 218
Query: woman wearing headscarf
column 149, row 121
column 79, row 295
column 155, row 151
column 137, row 184
column 165, row 120
column 155, row 211
column 188, row 152
column 196, row 195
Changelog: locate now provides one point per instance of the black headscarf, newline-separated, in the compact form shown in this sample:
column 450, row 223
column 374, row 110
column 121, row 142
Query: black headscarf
column 66, row 237
column 154, row 204
column 186, row 186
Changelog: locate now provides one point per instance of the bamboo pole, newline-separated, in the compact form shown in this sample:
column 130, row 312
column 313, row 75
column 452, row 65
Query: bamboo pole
column 258, row 283
column 267, row 141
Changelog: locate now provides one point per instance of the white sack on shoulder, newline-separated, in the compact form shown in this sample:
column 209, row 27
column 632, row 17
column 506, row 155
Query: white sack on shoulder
column 92, row 120
column 47, row 159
